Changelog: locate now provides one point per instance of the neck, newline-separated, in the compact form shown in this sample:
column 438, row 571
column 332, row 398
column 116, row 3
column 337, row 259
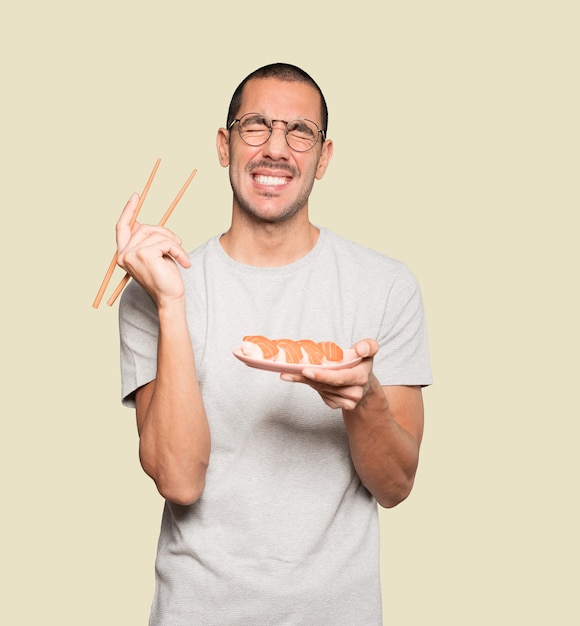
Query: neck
column 269, row 244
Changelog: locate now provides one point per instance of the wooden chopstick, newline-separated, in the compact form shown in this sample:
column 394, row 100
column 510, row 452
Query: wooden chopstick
column 113, row 263
column 164, row 219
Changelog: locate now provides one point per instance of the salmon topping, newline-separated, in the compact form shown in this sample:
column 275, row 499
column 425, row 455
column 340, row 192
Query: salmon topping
column 291, row 349
column 267, row 346
column 331, row 351
column 312, row 351
column 302, row 351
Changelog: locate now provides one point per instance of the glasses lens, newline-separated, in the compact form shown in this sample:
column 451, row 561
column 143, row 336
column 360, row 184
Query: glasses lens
column 302, row 135
column 255, row 129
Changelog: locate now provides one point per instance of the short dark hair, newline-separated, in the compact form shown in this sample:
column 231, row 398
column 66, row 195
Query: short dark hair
column 281, row 71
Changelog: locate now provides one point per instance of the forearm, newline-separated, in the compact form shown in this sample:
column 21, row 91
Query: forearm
column 384, row 453
column 174, row 443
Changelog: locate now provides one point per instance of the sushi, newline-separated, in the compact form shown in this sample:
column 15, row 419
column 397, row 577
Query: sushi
column 304, row 351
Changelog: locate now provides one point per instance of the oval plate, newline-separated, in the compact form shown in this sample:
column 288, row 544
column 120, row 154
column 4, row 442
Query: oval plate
column 350, row 359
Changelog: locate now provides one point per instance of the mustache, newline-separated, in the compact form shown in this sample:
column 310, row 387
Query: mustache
column 269, row 164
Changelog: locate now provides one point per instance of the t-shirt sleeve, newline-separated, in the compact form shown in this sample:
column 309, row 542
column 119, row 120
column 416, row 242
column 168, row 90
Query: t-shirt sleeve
column 138, row 330
column 403, row 357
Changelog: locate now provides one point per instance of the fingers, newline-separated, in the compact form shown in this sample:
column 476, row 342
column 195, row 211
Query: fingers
column 146, row 233
column 366, row 348
column 346, row 397
column 344, row 400
column 151, row 259
column 149, row 243
column 129, row 210
column 336, row 397
column 125, row 222
column 341, row 388
column 161, row 247
column 130, row 235
column 150, row 254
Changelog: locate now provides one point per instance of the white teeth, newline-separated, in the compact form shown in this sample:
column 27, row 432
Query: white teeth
column 269, row 180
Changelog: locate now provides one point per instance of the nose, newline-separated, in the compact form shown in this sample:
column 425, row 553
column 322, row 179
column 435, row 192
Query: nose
column 276, row 147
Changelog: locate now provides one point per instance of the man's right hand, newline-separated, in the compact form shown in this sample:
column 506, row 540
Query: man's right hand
column 149, row 254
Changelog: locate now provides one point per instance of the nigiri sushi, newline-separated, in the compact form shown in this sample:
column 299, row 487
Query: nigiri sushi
column 311, row 351
column 304, row 351
column 332, row 352
column 289, row 351
column 259, row 347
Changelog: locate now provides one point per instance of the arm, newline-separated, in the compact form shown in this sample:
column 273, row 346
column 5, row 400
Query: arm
column 384, row 432
column 384, row 424
column 174, row 438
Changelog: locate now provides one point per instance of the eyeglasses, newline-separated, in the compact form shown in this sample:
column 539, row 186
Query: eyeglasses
column 255, row 129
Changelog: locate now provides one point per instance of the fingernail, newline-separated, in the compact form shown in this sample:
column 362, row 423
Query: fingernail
column 363, row 348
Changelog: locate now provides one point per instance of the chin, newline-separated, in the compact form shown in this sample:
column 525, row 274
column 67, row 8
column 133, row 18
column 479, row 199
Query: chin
column 271, row 215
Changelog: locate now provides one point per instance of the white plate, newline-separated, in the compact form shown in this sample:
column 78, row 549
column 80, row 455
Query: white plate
column 350, row 359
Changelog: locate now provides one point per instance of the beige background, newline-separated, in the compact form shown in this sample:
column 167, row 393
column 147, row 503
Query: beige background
column 456, row 149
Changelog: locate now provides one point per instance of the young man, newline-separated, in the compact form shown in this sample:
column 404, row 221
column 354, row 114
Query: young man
column 271, row 481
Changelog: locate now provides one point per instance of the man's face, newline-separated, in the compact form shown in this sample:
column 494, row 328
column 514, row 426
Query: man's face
column 272, row 182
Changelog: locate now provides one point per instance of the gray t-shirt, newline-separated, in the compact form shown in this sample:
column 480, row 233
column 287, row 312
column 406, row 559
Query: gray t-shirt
column 284, row 533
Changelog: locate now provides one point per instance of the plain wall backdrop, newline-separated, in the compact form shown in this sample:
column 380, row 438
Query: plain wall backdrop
column 456, row 135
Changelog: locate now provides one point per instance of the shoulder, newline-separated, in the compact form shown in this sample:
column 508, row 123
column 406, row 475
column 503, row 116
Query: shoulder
column 204, row 250
column 354, row 257
column 354, row 248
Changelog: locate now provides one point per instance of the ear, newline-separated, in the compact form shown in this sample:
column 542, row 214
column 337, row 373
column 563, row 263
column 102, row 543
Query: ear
column 324, row 158
column 223, row 146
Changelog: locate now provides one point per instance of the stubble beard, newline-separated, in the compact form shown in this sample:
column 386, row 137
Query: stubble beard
column 282, row 215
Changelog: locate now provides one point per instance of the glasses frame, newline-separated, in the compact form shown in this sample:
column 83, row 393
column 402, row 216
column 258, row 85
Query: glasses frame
column 298, row 119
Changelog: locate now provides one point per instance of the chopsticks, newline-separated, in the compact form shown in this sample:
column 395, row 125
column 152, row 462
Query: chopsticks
column 113, row 263
column 164, row 219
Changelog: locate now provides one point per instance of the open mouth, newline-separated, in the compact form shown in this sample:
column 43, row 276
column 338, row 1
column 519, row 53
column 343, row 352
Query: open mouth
column 270, row 181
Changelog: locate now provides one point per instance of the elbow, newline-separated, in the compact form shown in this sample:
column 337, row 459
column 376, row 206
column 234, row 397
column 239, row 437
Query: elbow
column 182, row 497
column 394, row 495
column 390, row 502
column 182, row 493
column 183, row 486
column 179, row 481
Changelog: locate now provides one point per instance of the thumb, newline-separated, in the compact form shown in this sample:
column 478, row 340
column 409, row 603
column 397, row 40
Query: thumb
column 366, row 348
